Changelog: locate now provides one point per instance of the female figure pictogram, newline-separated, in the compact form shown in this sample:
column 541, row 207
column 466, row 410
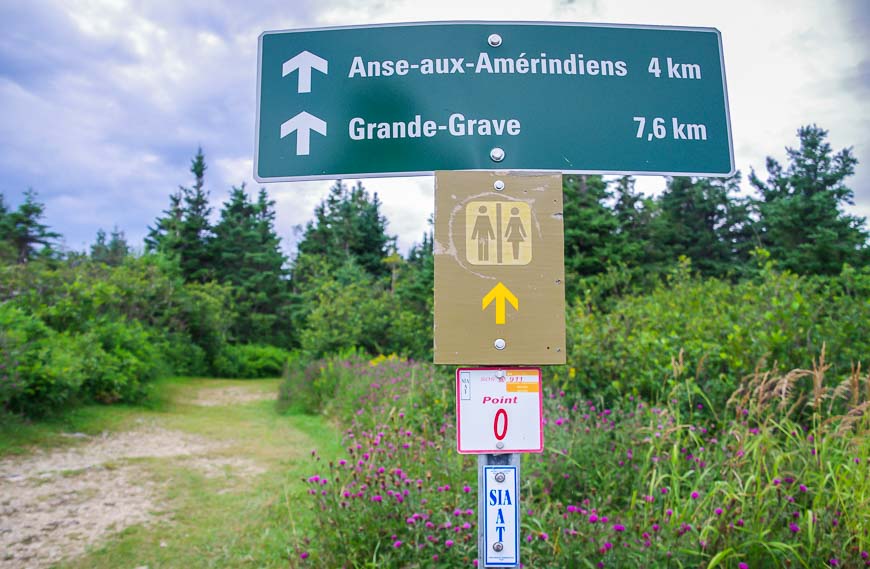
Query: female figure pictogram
column 515, row 232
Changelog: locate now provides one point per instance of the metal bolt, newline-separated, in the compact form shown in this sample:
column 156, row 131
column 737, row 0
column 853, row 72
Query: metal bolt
column 499, row 477
column 499, row 344
column 499, row 445
column 499, row 373
column 496, row 154
column 498, row 546
column 494, row 40
column 498, row 185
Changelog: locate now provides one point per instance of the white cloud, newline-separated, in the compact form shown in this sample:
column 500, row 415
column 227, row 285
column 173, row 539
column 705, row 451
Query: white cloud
column 105, row 102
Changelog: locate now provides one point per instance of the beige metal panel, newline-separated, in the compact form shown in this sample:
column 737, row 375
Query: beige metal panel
column 499, row 268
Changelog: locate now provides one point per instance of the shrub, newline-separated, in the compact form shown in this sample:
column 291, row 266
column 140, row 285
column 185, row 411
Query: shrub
column 713, row 333
column 251, row 361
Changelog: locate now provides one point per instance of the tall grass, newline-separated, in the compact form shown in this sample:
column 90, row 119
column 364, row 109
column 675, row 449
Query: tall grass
column 755, row 484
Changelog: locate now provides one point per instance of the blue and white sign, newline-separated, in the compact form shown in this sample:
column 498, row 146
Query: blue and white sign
column 501, row 518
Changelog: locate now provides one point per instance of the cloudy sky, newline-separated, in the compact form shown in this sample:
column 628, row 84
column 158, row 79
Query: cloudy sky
column 104, row 102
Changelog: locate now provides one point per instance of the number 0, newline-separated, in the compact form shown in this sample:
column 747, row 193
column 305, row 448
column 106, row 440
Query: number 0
column 495, row 429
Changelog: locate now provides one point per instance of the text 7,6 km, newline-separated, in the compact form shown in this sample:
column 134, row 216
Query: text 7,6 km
column 658, row 129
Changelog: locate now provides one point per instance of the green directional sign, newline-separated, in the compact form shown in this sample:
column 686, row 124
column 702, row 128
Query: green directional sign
column 413, row 98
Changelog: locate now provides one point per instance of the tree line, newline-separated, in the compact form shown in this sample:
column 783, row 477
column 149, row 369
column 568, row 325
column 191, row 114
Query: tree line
column 229, row 292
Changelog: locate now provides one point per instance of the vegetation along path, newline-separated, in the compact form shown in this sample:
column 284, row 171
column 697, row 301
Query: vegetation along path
column 206, row 477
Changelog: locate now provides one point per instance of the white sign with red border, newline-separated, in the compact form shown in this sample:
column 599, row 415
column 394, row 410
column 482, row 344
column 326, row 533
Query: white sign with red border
column 499, row 410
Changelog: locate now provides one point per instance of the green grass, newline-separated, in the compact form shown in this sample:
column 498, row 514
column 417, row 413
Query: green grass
column 235, row 519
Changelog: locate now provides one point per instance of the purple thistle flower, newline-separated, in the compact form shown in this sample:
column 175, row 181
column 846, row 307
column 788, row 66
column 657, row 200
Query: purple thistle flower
column 742, row 565
column 794, row 527
column 448, row 543
column 618, row 527
column 303, row 555
column 397, row 544
column 695, row 495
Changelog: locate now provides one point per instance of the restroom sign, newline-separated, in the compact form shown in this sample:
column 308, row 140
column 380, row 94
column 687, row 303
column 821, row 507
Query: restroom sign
column 499, row 410
column 498, row 233
column 499, row 269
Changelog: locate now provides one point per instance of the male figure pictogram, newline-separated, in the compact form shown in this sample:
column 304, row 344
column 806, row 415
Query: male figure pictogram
column 483, row 232
column 515, row 232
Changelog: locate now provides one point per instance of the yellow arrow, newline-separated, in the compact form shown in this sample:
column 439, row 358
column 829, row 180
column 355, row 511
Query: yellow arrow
column 500, row 294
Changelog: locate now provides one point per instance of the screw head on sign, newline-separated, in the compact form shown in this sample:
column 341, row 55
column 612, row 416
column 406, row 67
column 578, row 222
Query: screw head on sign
column 499, row 344
column 499, row 477
column 496, row 154
column 499, row 445
column 494, row 40
column 498, row 185
column 498, row 546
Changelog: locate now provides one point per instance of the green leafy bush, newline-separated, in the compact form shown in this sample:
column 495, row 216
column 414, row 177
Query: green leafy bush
column 709, row 333
column 251, row 361
column 76, row 331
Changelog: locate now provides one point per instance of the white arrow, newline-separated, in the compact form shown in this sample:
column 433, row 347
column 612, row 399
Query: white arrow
column 305, row 62
column 304, row 123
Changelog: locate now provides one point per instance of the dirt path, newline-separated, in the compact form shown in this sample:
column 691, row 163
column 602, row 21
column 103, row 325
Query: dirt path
column 55, row 504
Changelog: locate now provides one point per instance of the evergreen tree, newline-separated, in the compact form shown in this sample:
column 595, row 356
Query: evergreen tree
column 25, row 235
column 112, row 252
column 7, row 251
column 247, row 254
column 185, row 232
column 414, row 293
column 165, row 236
column 634, row 216
column 801, row 221
column 700, row 219
column 347, row 236
column 347, row 224
column 195, row 259
column 589, row 229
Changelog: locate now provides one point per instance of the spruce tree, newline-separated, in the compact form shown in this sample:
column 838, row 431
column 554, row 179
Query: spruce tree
column 25, row 234
column 701, row 218
column 347, row 237
column 589, row 229
column 111, row 252
column 247, row 254
column 634, row 215
column 801, row 222
column 348, row 224
column 195, row 231
column 7, row 250
column 185, row 233
column 165, row 236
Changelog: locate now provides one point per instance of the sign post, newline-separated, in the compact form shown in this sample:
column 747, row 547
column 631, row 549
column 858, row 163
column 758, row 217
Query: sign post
column 533, row 100
column 499, row 414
